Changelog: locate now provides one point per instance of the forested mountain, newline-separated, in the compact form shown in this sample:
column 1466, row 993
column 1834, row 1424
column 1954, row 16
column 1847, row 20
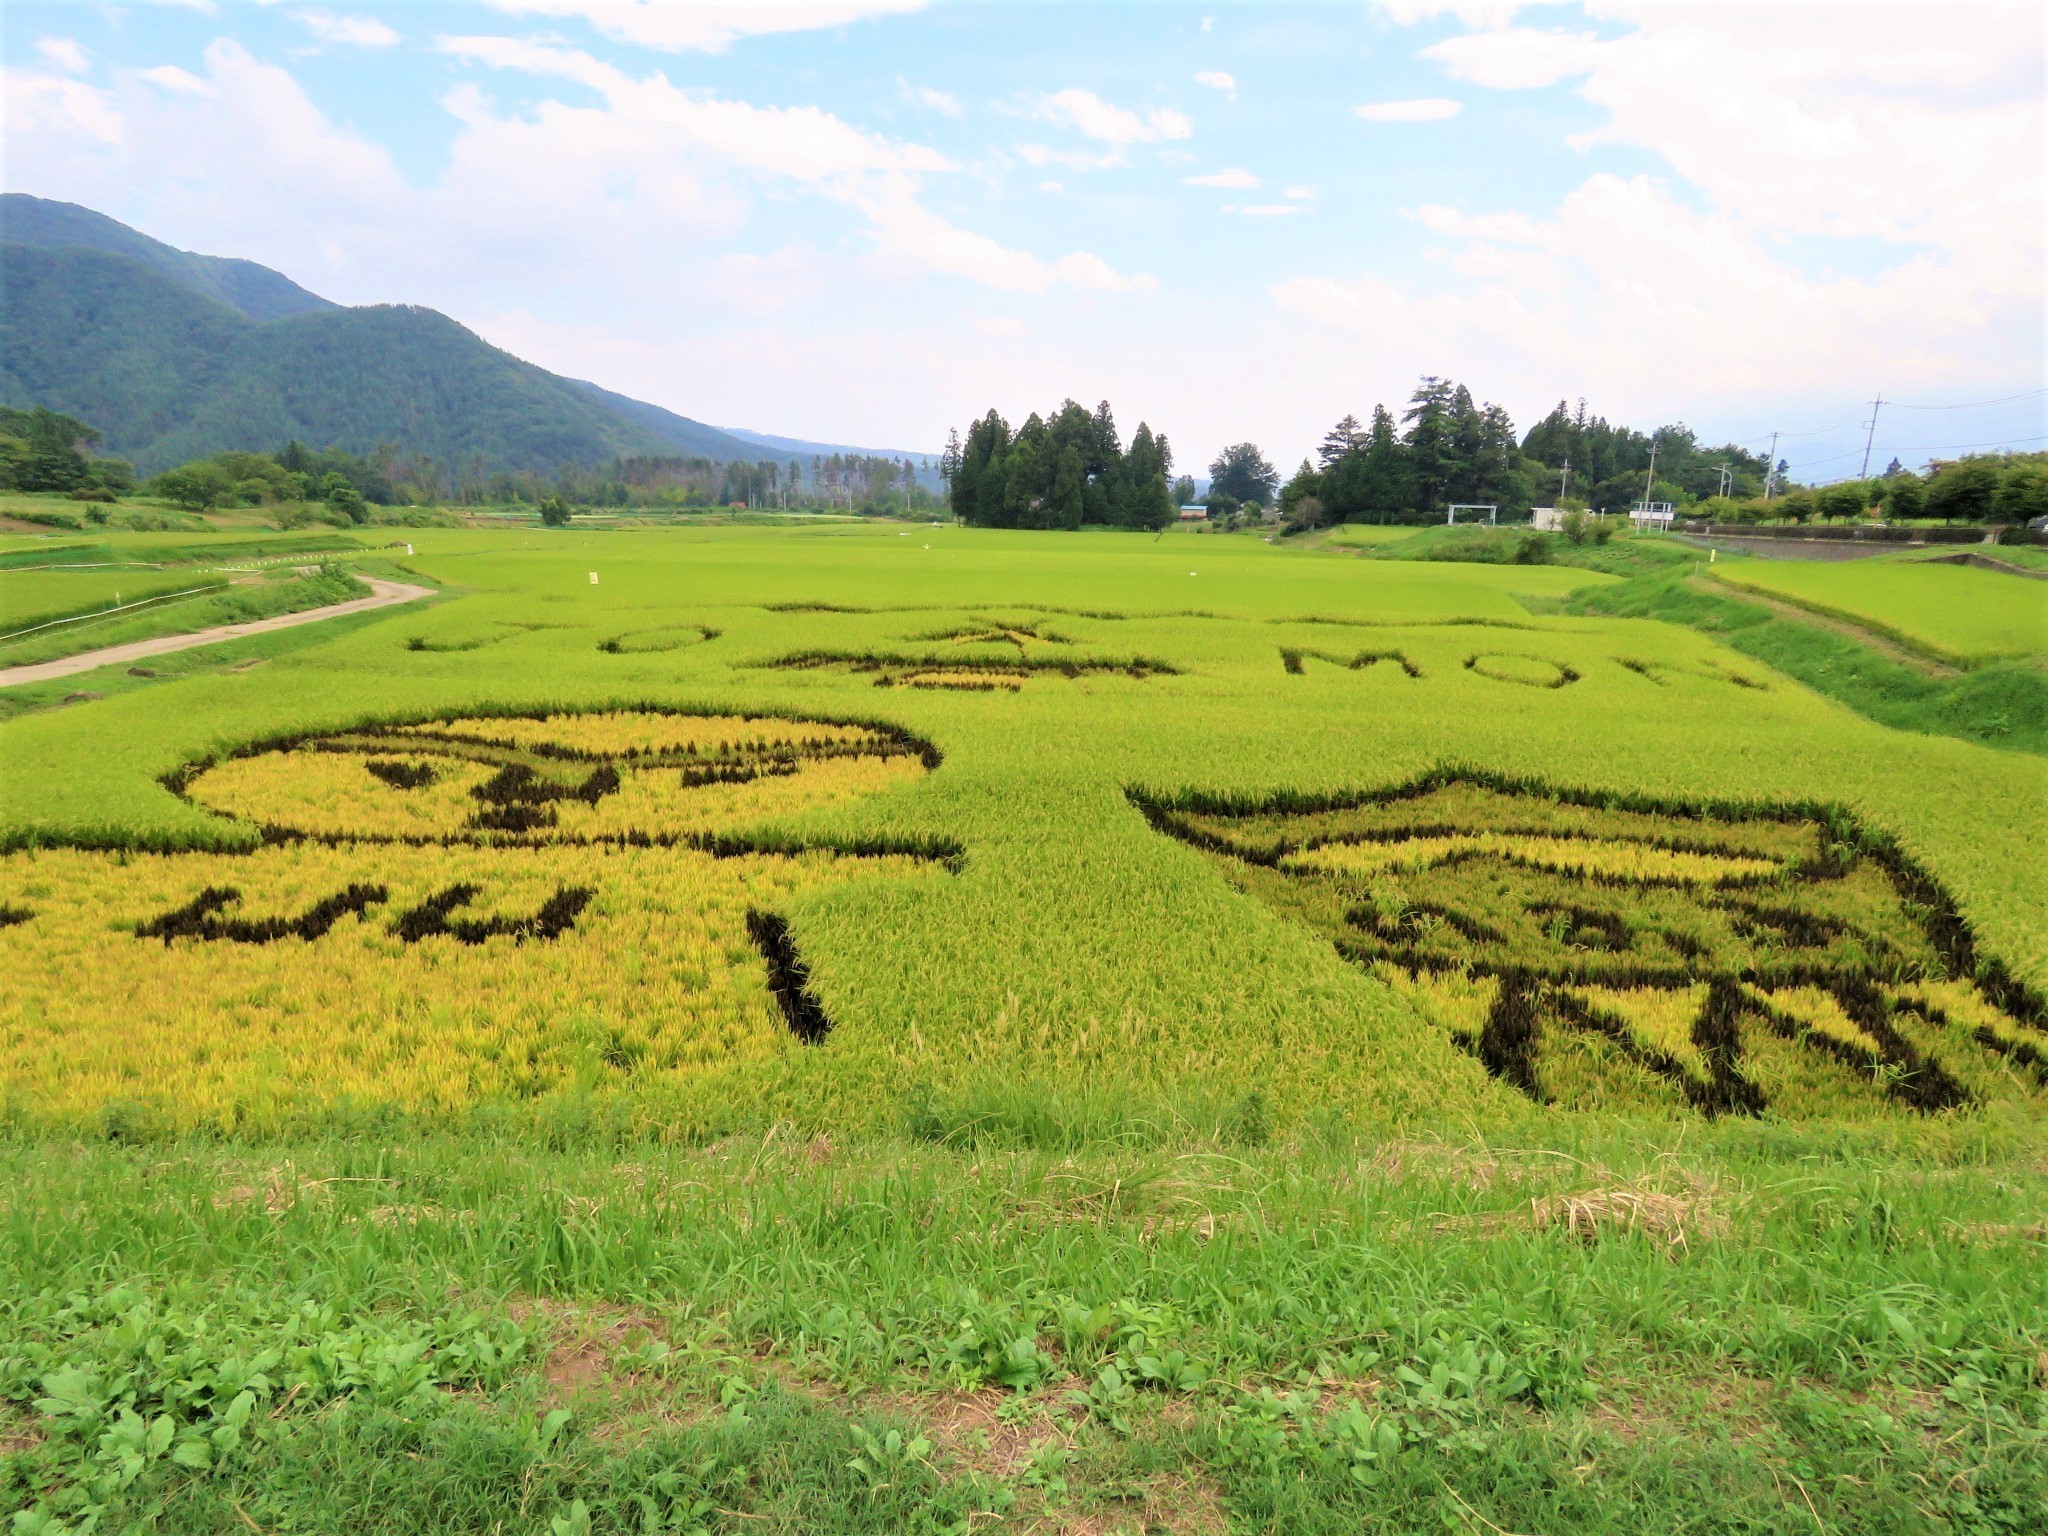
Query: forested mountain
column 679, row 434
column 174, row 356
column 255, row 291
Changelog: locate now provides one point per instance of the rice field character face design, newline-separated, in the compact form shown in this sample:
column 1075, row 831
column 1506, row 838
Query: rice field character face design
column 446, row 911
column 1594, row 955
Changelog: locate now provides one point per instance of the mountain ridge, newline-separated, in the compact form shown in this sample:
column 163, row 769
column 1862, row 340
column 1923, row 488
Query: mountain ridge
column 174, row 355
column 257, row 292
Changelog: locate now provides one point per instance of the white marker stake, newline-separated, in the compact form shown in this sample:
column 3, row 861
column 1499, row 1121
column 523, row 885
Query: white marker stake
column 593, row 578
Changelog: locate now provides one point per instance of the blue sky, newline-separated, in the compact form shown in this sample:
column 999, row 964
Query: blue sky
column 868, row 220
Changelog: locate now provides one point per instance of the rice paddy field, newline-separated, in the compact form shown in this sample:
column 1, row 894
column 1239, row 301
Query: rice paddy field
column 895, row 1027
column 1958, row 613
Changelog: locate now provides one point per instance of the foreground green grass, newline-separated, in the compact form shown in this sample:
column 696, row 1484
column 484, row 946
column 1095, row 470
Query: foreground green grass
column 1736, row 1329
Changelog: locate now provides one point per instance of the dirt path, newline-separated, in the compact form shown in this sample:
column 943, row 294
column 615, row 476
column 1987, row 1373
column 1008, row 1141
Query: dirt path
column 1884, row 645
column 383, row 594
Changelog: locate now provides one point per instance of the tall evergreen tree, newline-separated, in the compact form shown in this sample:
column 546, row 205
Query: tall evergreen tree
column 1430, row 439
column 1029, row 476
column 1340, row 440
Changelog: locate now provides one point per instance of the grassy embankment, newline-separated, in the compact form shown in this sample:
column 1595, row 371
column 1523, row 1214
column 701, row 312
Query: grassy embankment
column 1964, row 616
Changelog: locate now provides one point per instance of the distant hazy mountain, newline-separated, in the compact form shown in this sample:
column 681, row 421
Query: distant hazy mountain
column 174, row 355
column 798, row 445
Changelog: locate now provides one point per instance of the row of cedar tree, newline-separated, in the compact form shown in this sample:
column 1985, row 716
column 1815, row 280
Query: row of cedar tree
column 1445, row 448
column 1068, row 472
column 1448, row 450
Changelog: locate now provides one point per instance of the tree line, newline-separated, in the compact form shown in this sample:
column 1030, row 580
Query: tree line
column 1448, row 449
column 1070, row 472
column 44, row 450
column 347, row 484
column 1982, row 488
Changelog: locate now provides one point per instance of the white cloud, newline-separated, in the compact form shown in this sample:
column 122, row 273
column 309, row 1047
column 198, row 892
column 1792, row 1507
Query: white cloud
column 1473, row 13
column 1914, row 122
column 1216, row 80
column 1301, row 194
column 352, row 31
column 705, row 26
column 1091, row 115
column 804, row 144
column 1042, row 155
column 1052, row 186
column 943, row 102
column 1635, row 298
column 179, row 82
column 1091, row 273
column 1234, row 181
column 764, row 285
column 38, row 104
column 878, row 177
column 1427, row 109
column 65, row 53
column 1518, row 58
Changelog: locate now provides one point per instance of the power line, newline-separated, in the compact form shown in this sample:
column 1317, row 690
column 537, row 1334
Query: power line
column 1997, row 442
column 1854, row 421
column 1968, row 405
column 1858, row 421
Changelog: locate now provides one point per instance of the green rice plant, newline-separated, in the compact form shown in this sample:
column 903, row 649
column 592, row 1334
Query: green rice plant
column 1599, row 920
column 1073, row 972
column 1964, row 615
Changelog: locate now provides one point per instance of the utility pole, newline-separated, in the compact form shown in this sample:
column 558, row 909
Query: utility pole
column 1650, row 479
column 1872, row 437
column 1564, row 480
column 1727, row 474
column 1771, row 469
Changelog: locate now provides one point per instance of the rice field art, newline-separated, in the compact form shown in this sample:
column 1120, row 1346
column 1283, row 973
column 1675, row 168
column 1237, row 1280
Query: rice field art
column 442, row 912
column 1601, row 951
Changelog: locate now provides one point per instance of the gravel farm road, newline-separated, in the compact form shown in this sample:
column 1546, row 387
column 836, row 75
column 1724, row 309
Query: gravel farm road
column 383, row 594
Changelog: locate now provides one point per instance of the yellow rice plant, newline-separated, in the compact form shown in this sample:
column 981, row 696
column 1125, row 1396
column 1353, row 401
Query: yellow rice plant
column 1614, row 859
column 656, row 981
column 622, row 732
column 334, row 794
column 1818, row 1010
column 966, row 681
column 392, row 944
column 1659, row 1019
